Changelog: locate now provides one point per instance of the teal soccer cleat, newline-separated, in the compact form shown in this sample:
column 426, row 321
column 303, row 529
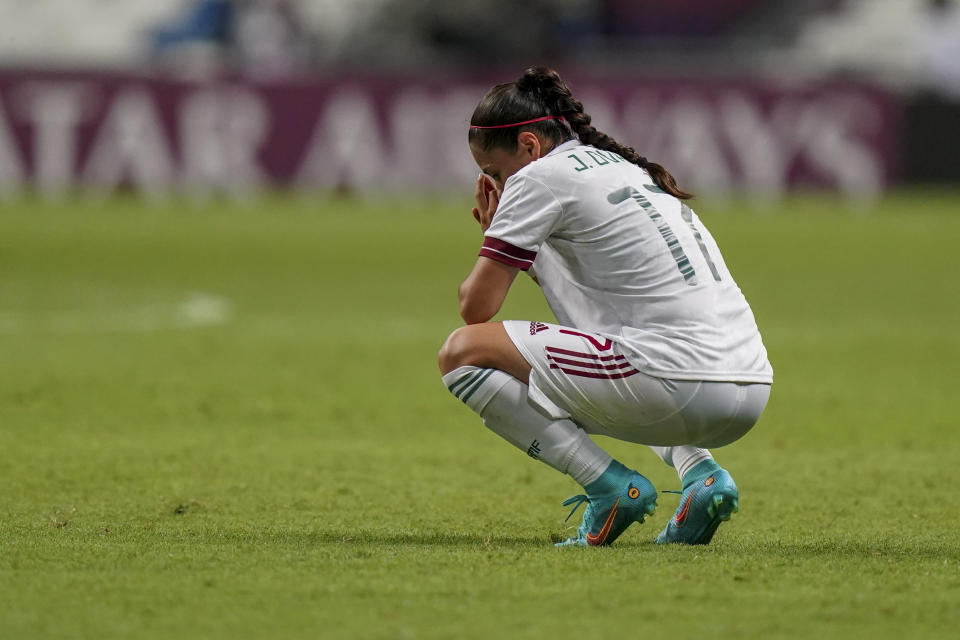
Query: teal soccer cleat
column 607, row 516
column 703, row 506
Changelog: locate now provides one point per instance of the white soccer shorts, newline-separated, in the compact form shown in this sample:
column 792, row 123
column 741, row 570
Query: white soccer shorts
column 586, row 377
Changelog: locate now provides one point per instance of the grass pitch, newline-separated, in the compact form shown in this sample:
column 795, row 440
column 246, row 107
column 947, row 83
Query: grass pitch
column 227, row 423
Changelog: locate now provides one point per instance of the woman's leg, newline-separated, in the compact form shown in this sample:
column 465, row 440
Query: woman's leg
column 715, row 414
column 682, row 458
column 483, row 368
column 720, row 413
column 483, row 345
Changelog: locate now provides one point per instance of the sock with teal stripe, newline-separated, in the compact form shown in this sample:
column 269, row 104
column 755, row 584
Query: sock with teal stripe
column 501, row 400
column 475, row 386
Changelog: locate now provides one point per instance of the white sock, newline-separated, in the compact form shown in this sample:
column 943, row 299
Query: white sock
column 501, row 400
column 682, row 458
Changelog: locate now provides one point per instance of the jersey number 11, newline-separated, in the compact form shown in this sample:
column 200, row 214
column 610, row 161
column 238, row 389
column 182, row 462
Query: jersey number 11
column 673, row 243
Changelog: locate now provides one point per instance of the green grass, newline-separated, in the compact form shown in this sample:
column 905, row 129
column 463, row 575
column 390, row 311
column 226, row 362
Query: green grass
column 299, row 471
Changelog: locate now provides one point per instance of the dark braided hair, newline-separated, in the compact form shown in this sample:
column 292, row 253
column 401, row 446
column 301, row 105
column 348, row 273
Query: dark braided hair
column 541, row 92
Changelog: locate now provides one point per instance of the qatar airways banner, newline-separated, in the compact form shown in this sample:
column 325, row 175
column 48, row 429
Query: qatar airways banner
column 98, row 132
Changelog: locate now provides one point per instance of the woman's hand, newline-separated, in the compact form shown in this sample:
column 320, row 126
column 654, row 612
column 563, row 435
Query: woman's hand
column 487, row 201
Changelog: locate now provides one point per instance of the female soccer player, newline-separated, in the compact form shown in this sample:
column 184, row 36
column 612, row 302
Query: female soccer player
column 656, row 344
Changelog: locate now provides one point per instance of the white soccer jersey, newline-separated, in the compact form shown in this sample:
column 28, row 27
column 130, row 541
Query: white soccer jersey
column 616, row 255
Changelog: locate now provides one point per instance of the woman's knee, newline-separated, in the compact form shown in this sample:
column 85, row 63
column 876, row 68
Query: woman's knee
column 456, row 351
column 483, row 345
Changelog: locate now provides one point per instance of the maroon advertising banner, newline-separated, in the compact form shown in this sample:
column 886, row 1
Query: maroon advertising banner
column 62, row 131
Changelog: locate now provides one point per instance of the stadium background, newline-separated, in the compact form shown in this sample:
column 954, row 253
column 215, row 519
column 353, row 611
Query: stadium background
column 230, row 238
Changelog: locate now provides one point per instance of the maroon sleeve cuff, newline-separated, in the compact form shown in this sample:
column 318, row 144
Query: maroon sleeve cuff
column 507, row 253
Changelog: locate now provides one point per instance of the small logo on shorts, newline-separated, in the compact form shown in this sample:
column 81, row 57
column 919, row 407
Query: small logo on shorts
column 534, row 450
column 708, row 481
column 634, row 493
column 537, row 327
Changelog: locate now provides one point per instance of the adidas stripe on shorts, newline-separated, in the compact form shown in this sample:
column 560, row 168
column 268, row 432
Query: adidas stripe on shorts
column 587, row 377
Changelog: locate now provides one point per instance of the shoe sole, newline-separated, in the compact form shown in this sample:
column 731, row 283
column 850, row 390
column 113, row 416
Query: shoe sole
column 721, row 508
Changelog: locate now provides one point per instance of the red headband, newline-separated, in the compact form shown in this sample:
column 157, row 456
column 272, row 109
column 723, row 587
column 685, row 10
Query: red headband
column 517, row 124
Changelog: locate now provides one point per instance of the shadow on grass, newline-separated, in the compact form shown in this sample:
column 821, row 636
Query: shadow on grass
column 299, row 537
column 753, row 545
column 424, row 539
column 774, row 549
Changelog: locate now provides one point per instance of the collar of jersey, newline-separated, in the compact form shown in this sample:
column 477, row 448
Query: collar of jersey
column 569, row 144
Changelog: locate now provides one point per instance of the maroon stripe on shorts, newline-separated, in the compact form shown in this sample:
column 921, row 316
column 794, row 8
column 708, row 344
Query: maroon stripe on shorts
column 593, row 374
column 590, row 365
column 592, row 339
column 580, row 354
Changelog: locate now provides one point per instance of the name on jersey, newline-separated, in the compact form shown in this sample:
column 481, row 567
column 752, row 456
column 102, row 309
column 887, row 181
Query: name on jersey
column 594, row 158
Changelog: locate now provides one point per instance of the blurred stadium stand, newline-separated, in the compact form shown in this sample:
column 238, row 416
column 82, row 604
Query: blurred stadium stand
column 748, row 64
column 888, row 40
column 904, row 43
column 78, row 33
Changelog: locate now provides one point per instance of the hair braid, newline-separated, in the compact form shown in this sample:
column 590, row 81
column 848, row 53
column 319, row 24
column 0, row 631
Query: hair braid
column 558, row 100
